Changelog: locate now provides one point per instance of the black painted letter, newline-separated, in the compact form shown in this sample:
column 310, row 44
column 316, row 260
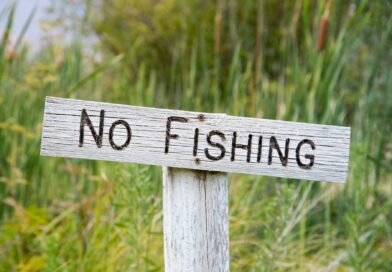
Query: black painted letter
column 129, row 135
column 195, row 142
column 85, row 120
column 310, row 157
column 168, row 127
column 211, row 143
column 260, row 148
column 246, row 147
column 274, row 145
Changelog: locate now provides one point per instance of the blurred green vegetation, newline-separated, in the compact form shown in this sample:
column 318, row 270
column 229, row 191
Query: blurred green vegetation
column 323, row 62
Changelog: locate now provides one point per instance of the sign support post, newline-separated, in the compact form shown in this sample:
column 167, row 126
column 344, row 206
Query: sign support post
column 195, row 217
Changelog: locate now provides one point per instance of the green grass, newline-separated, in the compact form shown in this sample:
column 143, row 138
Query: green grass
column 75, row 215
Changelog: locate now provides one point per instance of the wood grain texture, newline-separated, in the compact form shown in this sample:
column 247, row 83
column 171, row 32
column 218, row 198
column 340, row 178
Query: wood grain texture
column 61, row 131
column 196, row 229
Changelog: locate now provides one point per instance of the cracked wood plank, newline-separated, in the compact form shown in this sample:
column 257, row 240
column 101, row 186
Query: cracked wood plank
column 194, row 140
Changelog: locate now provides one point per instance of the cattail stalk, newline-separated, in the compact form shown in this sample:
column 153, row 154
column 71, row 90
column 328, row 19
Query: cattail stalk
column 324, row 27
column 258, row 57
column 259, row 34
column 295, row 19
column 218, row 27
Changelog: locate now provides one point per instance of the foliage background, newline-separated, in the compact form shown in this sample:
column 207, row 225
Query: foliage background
column 324, row 62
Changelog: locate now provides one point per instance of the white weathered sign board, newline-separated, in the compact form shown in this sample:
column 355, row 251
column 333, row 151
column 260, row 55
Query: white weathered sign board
column 202, row 141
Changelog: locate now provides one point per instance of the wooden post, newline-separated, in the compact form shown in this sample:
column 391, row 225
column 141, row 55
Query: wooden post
column 196, row 229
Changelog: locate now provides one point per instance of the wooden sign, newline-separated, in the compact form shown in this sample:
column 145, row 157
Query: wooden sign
column 195, row 203
column 204, row 141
